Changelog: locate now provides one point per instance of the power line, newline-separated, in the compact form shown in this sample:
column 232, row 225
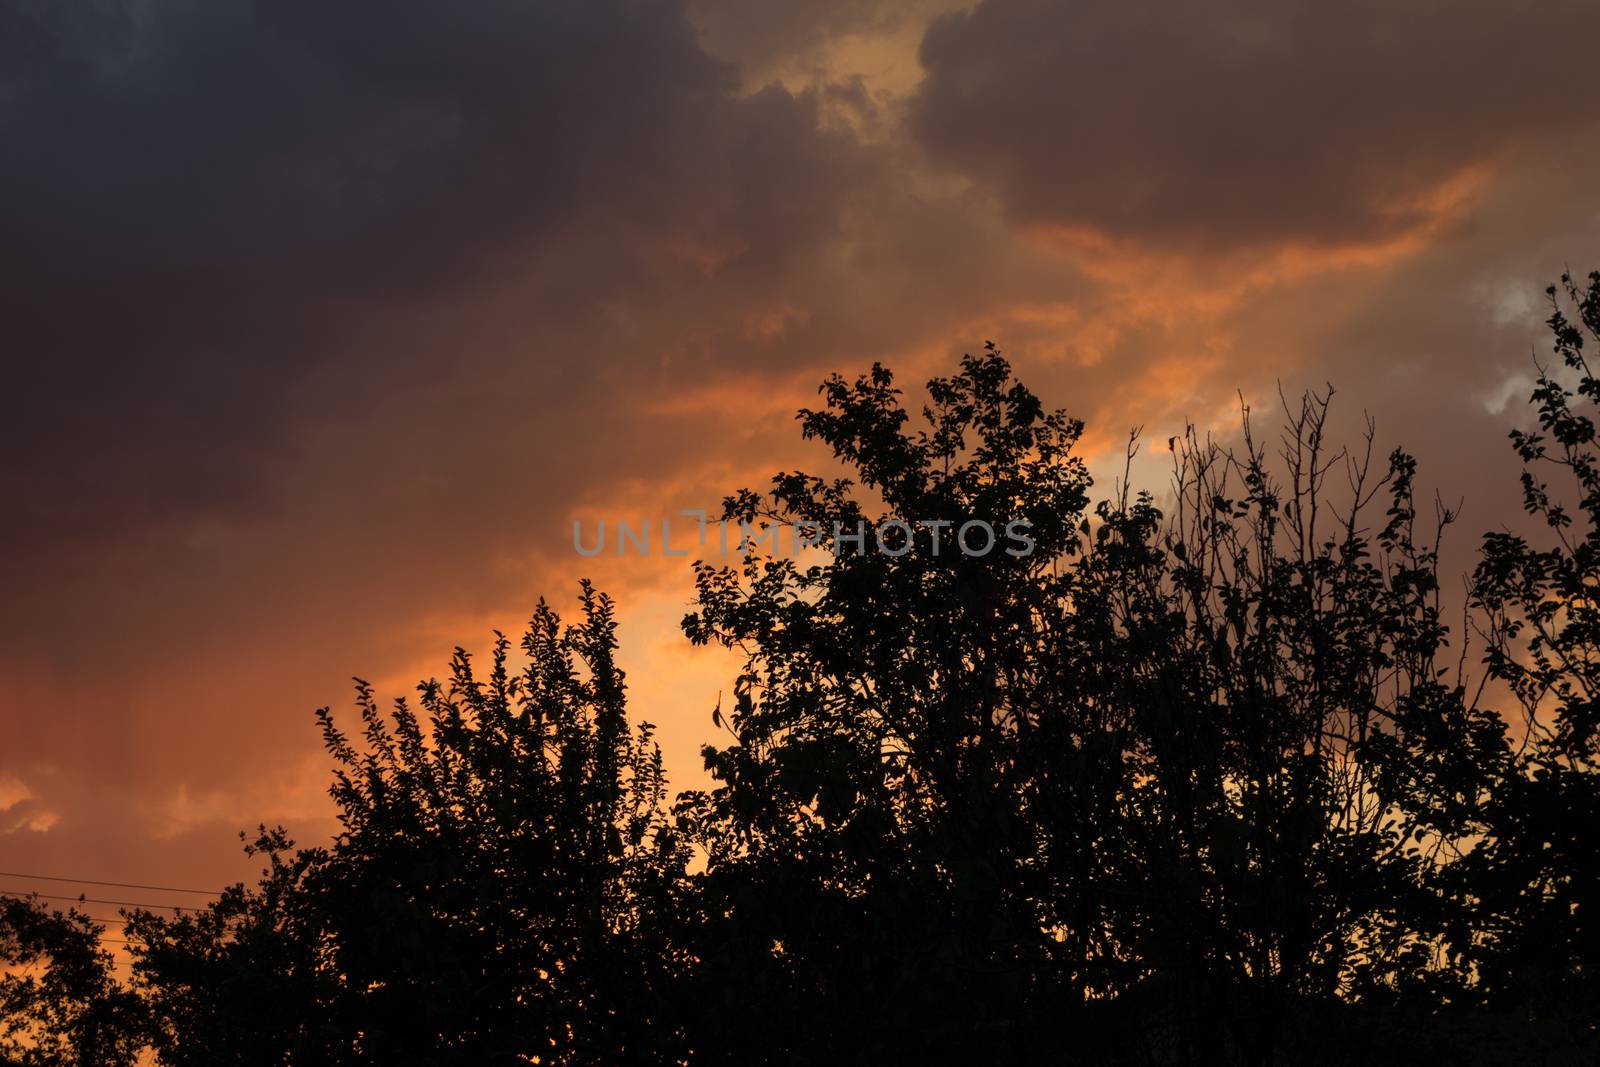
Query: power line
column 110, row 925
column 102, row 900
column 98, row 918
column 103, row 924
column 114, row 885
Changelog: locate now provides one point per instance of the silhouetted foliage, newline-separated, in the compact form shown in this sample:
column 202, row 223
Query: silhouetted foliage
column 60, row 1005
column 500, row 889
column 1205, row 778
column 871, row 846
column 1160, row 784
column 1533, row 885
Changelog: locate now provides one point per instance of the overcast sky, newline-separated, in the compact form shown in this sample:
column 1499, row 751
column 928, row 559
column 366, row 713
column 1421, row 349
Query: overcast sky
column 322, row 321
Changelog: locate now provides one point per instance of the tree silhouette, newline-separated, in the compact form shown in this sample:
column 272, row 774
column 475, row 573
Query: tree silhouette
column 1158, row 764
column 871, row 844
column 496, row 892
column 60, row 1005
column 1533, row 887
column 1205, row 777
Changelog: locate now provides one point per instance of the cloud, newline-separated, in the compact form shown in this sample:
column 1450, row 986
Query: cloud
column 324, row 321
column 321, row 319
column 1252, row 122
column 216, row 209
column 759, row 33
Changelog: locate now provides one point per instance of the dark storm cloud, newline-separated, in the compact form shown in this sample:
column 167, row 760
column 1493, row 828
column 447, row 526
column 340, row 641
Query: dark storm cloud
column 203, row 201
column 758, row 31
column 1246, row 121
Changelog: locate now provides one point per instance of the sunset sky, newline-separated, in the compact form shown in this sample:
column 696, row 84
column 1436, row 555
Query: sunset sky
column 323, row 321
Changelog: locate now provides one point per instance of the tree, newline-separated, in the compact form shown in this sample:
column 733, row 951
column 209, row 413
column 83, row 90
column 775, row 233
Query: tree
column 249, row 978
column 1178, row 784
column 872, row 860
column 60, row 1005
column 1533, row 886
column 1277, row 662
column 1201, row 777
column 499, row 889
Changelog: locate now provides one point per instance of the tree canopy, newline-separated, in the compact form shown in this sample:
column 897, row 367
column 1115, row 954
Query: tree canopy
column 1204, row 777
